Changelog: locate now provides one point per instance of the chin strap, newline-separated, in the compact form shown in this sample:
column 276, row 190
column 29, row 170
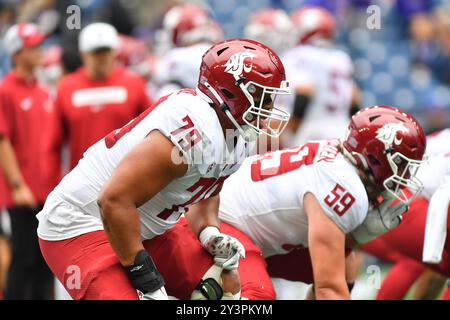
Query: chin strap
column 248, row 133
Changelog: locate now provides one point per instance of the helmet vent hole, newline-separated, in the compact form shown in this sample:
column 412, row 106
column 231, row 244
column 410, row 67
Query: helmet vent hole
column 372, row 118
column 249, row 48
column 400, row 119
column 221, row 51
column 227, row 93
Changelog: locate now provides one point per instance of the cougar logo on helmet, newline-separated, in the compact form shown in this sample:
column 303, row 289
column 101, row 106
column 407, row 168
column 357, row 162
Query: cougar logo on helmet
column 236, row 64
column 388, row 134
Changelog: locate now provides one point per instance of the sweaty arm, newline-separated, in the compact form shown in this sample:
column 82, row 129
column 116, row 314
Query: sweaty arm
column 141, row 174
column 327, row 250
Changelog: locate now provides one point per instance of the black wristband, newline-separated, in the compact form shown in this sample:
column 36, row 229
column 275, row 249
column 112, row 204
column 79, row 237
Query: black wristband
column 143, row 273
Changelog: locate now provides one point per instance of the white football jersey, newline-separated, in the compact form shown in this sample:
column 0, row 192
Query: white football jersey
column 438, row 143
column 264, row 198
column 330, row 72
column 193, row 127
column 180, row 68
column 433, row 173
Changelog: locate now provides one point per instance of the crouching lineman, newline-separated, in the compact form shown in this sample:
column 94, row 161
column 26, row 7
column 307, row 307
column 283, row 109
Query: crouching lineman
column 318, row 194
column 323, row 195
column 423, row 235
column 136, row 182
column 299, row 209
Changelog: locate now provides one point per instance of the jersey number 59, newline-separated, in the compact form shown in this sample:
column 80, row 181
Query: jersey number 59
column 339, row 200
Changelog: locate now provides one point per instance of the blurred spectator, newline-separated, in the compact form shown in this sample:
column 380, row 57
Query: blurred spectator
column 28, row 159
column 441, row 63
column 100, row 96
column 423, row 39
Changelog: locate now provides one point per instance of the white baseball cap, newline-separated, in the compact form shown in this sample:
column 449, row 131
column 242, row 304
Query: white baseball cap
column 98, row 35
column 22, row 35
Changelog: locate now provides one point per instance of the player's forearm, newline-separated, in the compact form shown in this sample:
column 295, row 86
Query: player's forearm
column 122, row 226
column 9, row 164
column 203, row 214
column 332, row 293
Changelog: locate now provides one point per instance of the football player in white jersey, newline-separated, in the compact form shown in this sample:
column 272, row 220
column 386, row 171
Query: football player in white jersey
column 273, row 27
column 191, row 31
column 424, row 234
column 136, row 182
column 284, row 205
column 321, row 76
column 319, row 197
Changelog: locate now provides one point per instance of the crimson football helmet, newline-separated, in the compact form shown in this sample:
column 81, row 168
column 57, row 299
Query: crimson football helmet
column 389, row 145
column 313, row 24
column 242, row 77
column 272, row 27
column 189, row 23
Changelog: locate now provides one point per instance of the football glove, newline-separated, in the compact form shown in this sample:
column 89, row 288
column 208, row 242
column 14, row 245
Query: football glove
column 225, row 249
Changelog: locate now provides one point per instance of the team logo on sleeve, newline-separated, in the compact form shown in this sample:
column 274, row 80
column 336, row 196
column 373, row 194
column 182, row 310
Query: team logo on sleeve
column 388, row 134
column 239, row 63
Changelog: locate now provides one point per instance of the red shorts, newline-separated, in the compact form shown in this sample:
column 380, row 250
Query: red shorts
column 89, row 269
column 407, row 239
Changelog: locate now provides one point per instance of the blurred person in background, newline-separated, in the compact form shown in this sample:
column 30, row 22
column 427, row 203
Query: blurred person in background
column 51, row 70
column 273, row 27
column 192, row 31
column 29, row 161
column 99, row 97
column 325, row 94
column 441, row 62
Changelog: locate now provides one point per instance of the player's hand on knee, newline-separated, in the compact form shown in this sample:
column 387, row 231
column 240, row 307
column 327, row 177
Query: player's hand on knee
column 226, row 249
